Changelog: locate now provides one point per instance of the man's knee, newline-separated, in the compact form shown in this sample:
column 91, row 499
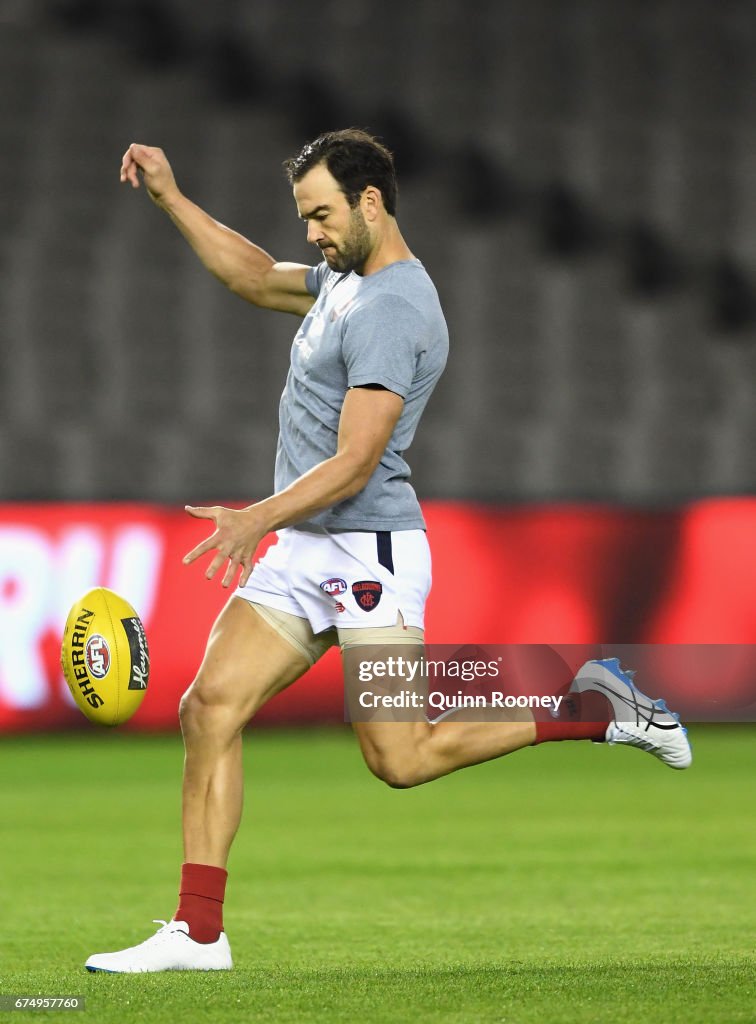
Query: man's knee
column 398, row 773
column 193, row 708
column 207, row 707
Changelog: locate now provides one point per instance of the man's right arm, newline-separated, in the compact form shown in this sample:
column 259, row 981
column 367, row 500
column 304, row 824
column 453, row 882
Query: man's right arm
column 243, row 267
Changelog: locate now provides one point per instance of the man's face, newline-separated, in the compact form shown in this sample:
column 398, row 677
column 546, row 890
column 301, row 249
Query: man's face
column 338, row 230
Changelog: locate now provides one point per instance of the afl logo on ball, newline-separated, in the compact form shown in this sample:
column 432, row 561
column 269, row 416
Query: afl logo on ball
column 367, row 594
column 97, row 654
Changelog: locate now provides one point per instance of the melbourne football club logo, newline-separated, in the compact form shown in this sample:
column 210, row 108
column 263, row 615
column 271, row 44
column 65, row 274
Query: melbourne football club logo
column 97, row 654
column 367, row 594
column 334, row 586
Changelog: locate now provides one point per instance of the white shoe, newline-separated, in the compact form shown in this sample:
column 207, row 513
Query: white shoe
column 169, row 949
column 638, row 720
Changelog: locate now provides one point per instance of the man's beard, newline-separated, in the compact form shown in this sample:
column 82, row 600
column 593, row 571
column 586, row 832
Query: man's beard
column 355, row 249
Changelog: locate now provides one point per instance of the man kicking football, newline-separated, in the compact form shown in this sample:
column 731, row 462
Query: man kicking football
column 352, row 564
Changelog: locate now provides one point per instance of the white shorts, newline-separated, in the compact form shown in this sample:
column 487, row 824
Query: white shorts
column 344, row 579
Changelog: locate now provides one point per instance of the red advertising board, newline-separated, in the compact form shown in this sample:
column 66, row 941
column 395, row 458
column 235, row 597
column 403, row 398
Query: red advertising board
column 529, row 575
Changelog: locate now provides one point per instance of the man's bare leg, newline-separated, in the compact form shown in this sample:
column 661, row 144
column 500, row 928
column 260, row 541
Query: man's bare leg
column 246, row 663
column 405, row 754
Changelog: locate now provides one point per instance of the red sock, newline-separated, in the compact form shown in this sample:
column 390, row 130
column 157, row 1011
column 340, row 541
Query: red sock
column 201, row 894
column 582, row 717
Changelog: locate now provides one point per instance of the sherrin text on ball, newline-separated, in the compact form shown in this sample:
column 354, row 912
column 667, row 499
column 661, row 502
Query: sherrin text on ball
column 105, row 657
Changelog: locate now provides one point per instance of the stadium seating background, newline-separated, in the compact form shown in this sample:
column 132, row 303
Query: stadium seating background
column 578, row 179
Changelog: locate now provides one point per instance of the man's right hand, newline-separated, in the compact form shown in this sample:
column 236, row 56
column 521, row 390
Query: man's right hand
column 156, row 171
column 243, row 267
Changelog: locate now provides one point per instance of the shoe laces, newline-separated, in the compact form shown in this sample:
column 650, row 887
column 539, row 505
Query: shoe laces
column 168, row 928
column 642, row 740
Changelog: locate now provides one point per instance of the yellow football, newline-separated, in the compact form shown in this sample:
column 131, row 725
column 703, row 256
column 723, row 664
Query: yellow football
column 105, row 658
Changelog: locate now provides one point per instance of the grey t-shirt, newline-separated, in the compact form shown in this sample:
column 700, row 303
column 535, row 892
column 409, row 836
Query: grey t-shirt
column 386, row 328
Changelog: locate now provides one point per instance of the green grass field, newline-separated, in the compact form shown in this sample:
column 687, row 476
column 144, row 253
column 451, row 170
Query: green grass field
column 567, row 883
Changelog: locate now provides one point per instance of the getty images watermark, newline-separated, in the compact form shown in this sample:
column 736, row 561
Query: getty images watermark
column 411, row 672
column 406, row 682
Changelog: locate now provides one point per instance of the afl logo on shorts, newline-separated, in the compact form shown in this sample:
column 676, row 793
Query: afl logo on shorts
column 97, row 654
column 334, row 586
column 367, row 594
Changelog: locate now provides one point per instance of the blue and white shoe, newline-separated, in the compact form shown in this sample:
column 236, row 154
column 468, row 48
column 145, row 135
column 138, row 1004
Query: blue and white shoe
column 638, row 720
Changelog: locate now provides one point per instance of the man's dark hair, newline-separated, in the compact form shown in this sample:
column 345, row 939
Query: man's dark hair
column 355, row 159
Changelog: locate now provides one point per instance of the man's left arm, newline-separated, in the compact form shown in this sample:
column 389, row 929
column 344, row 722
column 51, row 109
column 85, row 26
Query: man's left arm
column 367, row 421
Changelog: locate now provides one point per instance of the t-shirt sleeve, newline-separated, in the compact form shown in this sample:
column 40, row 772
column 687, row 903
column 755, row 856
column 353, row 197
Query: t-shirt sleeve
column 314, row 278
column 381, row 344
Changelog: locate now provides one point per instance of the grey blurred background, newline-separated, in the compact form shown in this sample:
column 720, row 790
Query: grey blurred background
column 579, row 178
